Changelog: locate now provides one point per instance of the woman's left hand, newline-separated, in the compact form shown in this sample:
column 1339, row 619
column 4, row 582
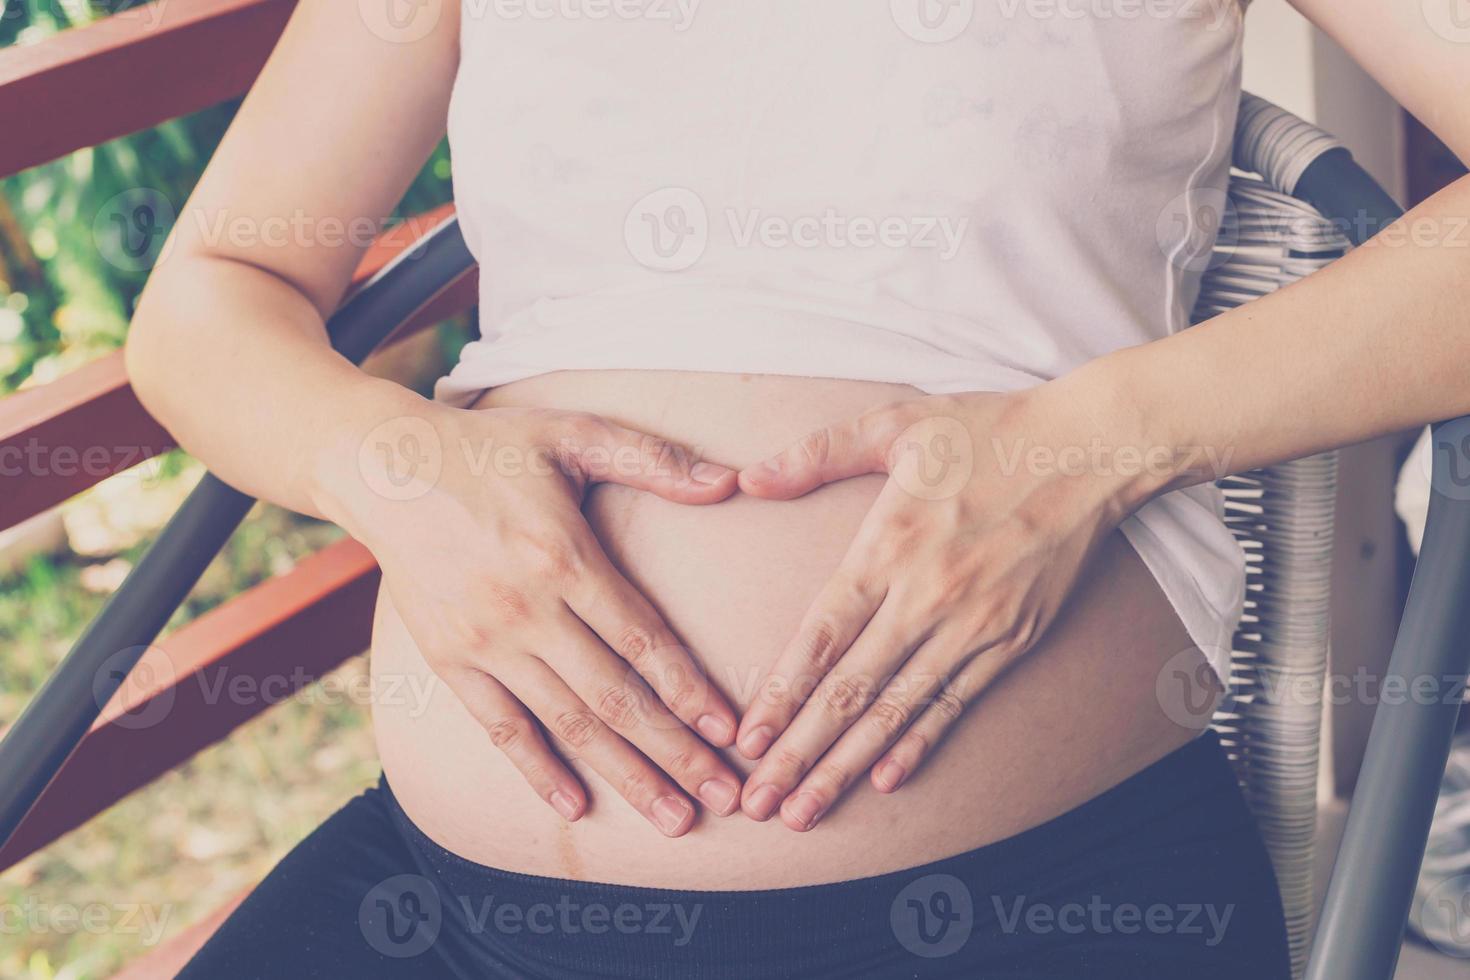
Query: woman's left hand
column 993, row 504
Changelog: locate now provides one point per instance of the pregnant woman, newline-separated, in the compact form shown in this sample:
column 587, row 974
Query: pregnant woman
column 805, row 559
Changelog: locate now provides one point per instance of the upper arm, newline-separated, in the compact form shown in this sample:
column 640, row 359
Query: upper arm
column 1419, row 50
column 340, row 120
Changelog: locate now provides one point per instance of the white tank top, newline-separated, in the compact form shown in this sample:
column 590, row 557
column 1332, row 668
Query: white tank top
column 959, row 195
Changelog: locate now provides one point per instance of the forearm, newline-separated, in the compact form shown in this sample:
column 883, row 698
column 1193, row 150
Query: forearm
column 1375, row 343
column 236, row 364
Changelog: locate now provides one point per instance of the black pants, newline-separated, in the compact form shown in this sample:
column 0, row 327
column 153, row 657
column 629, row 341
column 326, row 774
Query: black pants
column 1163, row 876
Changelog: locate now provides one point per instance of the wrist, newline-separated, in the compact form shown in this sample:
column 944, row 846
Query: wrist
column 381, row 445
column 1131, row 449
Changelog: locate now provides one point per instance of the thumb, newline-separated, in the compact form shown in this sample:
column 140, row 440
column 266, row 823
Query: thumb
column 833, row 453
column 646, row 462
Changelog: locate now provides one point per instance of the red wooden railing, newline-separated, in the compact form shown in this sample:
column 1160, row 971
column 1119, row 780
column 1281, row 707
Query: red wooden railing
column 170, row 58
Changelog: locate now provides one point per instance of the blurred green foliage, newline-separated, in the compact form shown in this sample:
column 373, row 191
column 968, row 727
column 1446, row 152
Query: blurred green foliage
column 62, row 302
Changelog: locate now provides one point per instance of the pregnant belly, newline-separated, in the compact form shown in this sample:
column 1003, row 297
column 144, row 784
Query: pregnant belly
column 1078, row 715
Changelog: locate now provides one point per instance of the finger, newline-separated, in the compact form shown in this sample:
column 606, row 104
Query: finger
column 630, row 626
column 516, row 734
column 836, row 702
column 905, row 696
column 826, row 455
column 605, row 452
column 843, row 608
column 633, row 777
column 620, row 698
column 927, row 730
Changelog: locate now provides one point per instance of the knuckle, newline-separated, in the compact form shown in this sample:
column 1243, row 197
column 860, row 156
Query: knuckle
column 470, row 634
column 618, row 706
column 902, row 525
column 576, row 728
column 507, row 734
column 549, row 555
column 842, row 696
column 828, row 779
column 557, row 563
column 820, row 645
column 889, row 716
column 681, row 763
column 680, row 697
column 775, row 692
column 636, row 645
column 816, row 446
column 943, row 592
column 637, row 783
column 657, row 454
column 948, row 705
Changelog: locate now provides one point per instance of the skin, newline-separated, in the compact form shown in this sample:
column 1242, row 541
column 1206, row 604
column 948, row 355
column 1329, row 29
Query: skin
column 1079, row 713
column 898, row 647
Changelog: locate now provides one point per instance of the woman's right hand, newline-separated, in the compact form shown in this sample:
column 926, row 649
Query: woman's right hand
column 475, row 518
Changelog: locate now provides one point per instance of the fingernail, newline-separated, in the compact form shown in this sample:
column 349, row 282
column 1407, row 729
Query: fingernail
column 714, row 728
column 770, row 467
column 671, row 813
column 719, row 795
column 763, row 801
column 708, row 473
column 804, row 809
column 564, row 804
column 753, row 744
column 891, row 774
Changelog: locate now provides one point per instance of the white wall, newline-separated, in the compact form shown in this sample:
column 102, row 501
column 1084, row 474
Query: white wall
column 1293, row 64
